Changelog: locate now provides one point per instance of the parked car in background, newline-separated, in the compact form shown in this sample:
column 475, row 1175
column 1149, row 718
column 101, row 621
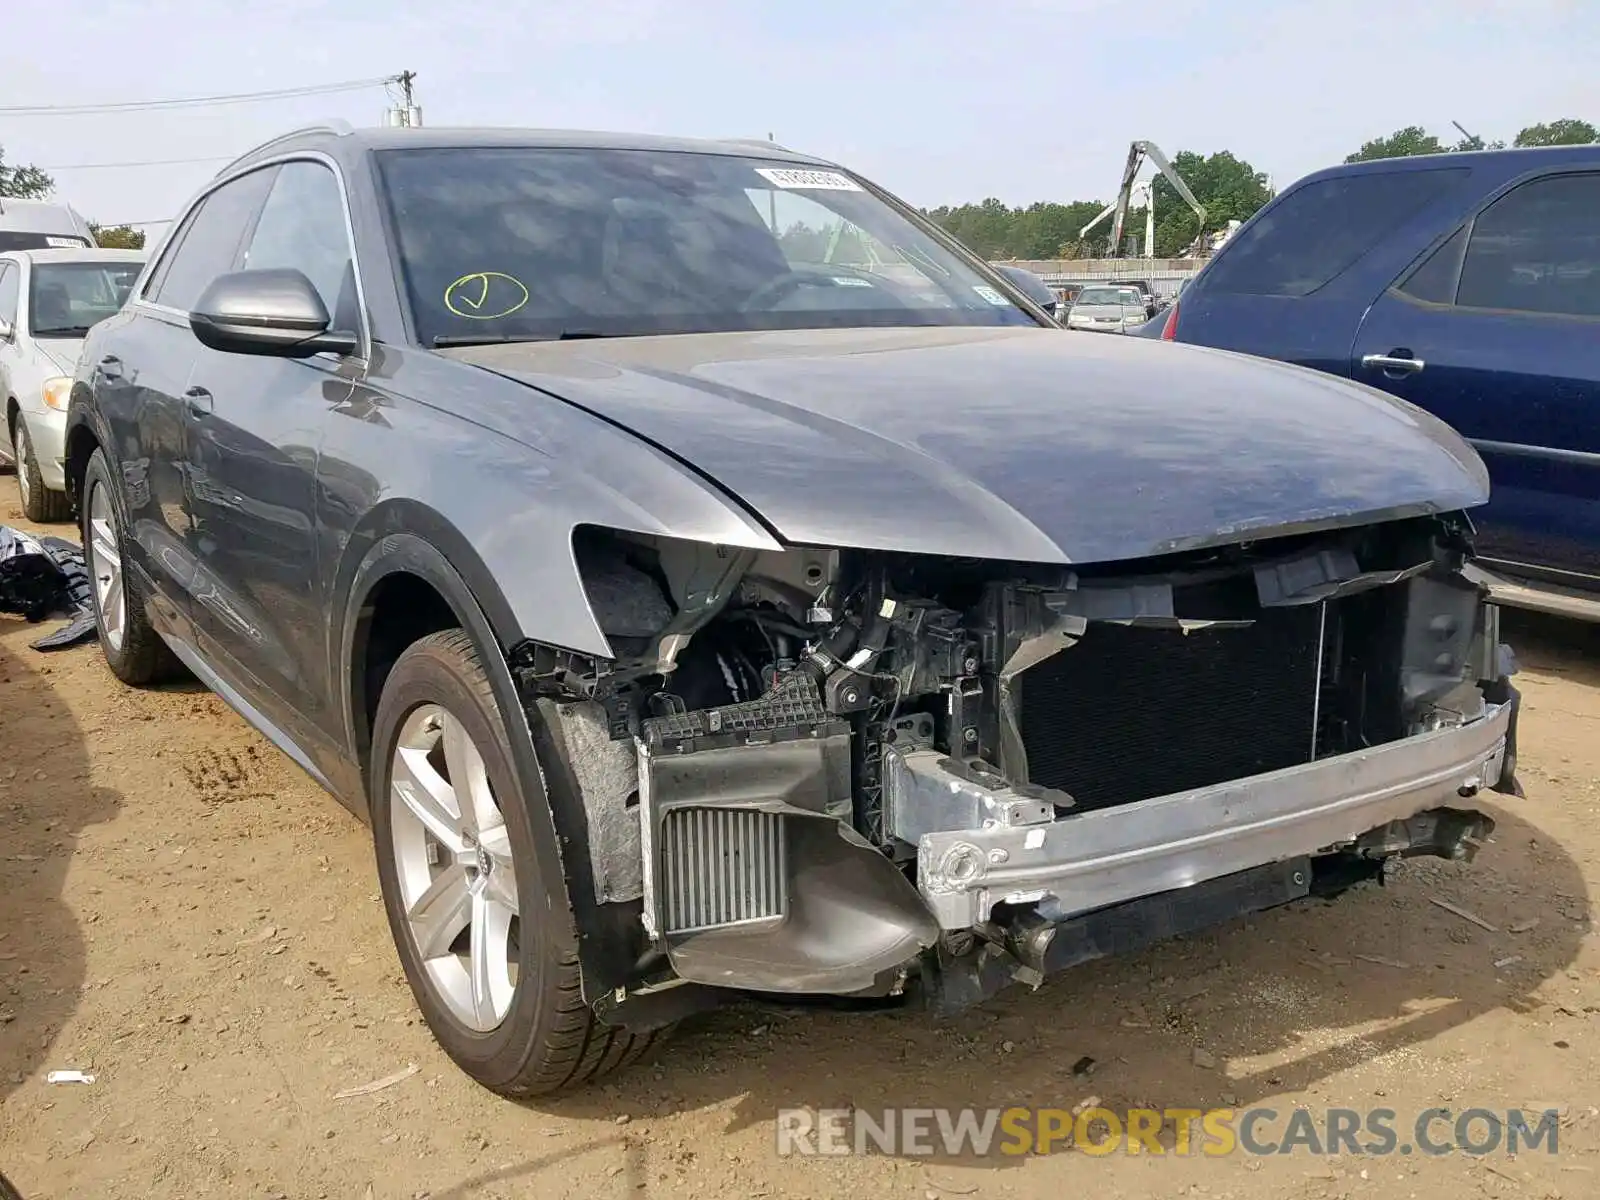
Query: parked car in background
column 692, row 615
column 1146, row 292
column 41, row 225
column 1107, row 310
column 1468, row 284
column 48, row 301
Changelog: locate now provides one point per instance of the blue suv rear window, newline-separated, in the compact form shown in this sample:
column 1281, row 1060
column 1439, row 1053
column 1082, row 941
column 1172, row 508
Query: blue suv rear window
column 1320, row 230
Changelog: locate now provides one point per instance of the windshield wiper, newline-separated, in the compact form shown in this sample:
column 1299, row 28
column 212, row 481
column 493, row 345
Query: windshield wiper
column 63, row 331
column 445, row 340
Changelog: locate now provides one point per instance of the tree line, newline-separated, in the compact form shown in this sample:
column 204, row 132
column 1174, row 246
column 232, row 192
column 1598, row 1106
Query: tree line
column 1228, row 187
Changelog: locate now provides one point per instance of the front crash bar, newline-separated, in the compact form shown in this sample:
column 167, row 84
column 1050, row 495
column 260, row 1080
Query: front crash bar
column 1084, row 862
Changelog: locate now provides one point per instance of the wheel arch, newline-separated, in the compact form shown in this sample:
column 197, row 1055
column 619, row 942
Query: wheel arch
column 555, row 809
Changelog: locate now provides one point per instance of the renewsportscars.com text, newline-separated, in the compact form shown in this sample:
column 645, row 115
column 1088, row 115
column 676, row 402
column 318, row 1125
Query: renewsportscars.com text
column 1215, row 1132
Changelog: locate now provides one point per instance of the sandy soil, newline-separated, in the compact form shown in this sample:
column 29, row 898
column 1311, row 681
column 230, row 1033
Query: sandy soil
column 185, row 915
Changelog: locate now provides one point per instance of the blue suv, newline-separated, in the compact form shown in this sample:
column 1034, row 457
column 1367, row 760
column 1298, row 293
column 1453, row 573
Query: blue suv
column 1468, row 284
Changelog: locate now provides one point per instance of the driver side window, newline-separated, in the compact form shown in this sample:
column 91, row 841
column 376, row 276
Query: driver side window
column 302, row 226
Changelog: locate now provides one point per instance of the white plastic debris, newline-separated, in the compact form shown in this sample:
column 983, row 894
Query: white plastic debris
column 377, row 1085
column 69, row 1077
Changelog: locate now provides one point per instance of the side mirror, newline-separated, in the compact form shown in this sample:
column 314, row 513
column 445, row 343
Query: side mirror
column 5, row 330
column 271, row 312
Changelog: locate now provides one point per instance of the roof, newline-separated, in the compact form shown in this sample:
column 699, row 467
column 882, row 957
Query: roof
column 76, row 254
column 344, row 139
column 1529, row 158
column 39, row 216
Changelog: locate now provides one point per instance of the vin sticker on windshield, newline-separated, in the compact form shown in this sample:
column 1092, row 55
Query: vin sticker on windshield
column 989, row 294
column 822, row 181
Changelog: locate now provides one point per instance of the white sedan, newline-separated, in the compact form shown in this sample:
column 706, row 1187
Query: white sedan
column 48, row 301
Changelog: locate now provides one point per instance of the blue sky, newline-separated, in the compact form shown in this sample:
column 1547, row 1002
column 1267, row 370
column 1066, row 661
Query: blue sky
column 941, row 101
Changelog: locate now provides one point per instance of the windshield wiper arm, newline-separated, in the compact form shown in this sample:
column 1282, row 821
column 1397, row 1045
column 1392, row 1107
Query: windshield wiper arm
column 446, row 340
column 62, row 331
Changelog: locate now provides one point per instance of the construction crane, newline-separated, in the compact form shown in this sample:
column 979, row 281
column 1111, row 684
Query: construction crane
column 1118, row 209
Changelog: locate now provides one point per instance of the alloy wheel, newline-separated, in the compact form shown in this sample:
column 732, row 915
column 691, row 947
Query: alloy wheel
column 105, row 566
column 19, row 456
column 453, row 861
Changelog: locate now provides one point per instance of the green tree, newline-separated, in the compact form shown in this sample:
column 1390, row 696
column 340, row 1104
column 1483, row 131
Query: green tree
column 117, row 237
column 1229, row 188
column 1569, row 131
column 23, row 183
column 1402, row 143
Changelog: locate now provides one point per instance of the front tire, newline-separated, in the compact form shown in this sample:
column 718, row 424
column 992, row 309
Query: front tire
column 488, row 945
column 134, row 650
column 39, row 503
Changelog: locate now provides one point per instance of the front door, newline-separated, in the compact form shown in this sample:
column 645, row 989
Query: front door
column 1496, row 333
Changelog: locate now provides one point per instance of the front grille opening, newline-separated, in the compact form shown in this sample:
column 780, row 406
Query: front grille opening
column 1129, row 713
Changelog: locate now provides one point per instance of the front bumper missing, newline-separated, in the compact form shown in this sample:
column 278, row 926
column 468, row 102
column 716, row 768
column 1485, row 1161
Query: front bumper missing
column 1077, row 864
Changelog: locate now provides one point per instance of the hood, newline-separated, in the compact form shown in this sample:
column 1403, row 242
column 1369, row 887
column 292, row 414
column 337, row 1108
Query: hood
column 1028, row 444
column 62, row 352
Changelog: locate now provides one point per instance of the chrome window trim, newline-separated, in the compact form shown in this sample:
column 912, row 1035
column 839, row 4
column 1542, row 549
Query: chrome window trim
column 363, row 352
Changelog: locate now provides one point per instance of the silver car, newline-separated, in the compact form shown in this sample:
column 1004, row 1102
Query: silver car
column 1107, row 310
column 48, row 301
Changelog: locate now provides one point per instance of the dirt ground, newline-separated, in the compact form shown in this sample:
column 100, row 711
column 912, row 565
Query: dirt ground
column 185, row 915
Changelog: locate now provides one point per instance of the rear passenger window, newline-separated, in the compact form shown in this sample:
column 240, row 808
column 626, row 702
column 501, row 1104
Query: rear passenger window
column 211, row 242
column 1320, row 230
column 1537, row 250
column 1434, row 282
column 10, row 289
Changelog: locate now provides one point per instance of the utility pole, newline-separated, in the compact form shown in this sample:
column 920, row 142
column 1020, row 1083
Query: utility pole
column 408, row 114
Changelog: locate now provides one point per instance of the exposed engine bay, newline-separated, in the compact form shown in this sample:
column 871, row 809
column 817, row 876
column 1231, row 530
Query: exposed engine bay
column 850, row 772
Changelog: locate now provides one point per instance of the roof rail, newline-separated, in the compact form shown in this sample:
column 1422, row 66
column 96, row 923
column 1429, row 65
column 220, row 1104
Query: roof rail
column 336, row 126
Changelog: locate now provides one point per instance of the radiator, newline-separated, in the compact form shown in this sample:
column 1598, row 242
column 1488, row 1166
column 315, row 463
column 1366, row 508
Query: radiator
column 1131, row 713
column 721, row 866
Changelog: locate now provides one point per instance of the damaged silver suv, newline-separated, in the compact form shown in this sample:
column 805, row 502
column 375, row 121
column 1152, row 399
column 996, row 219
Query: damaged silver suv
column 710, row 579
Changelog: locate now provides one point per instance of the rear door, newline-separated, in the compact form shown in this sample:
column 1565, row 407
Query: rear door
column 1497, row 331
column 140, row 375
column 1294, row 282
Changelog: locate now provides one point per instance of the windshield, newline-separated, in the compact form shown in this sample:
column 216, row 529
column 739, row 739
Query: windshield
column 66, row 298
column 501, row 244
column 1109, row 296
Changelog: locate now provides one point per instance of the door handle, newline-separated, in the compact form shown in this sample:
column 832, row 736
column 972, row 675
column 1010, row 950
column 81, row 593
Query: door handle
column 198, row 401
column 110, row 367
column 1395, row 363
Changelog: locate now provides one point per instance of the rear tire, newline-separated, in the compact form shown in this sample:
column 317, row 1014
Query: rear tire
column 488, row 945
column 39, row 503
column 134, row 650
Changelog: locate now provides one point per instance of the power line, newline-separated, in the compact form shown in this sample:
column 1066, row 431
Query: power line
column 152, row 162
column 62, row 110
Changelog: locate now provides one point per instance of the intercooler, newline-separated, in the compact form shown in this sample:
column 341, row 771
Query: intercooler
column 720, row 867
column 1133, row 712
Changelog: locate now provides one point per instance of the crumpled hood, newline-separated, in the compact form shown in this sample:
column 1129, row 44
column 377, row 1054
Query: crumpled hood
column 1027, row 444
